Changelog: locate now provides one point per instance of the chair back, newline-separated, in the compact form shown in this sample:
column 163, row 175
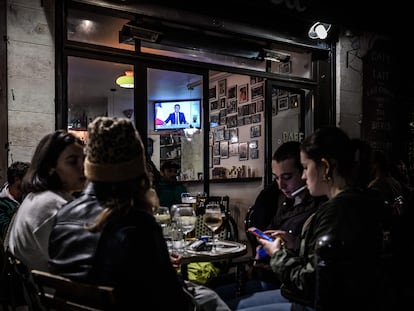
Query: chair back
column 60, row 293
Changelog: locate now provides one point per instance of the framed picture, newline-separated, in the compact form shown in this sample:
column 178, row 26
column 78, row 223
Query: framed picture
column 232, row 92
column 211, row 156
column 255, row 131
column 283, row 103
column 257, row 91
column 294, row 101
column 256, row 118
column 214, row 105
column 243, row 151
column 214, row 120
column 212, row 93
column 232, row 106
column 223, row 102
column 233, row 150
column 234, row 135
column 219, row 134
column 253, row 144
column 285, row 67
column 254, row 153
column 216, row 150
column 222, row 88
column 216, row 160
column 224, row 149
column 243, row 93
column 232, row 121
column 274, row 106
column 260, row 105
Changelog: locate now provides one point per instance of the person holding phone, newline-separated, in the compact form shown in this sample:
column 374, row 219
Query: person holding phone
column 290, row 204
column 351, row 215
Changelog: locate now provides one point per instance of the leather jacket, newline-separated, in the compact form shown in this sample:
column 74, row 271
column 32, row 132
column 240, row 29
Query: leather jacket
column 130, row 253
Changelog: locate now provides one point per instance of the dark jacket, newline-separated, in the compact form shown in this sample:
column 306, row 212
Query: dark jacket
column 130, row 254
column 352, row 218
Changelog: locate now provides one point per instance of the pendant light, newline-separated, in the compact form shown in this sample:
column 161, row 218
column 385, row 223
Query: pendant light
column 126, row 81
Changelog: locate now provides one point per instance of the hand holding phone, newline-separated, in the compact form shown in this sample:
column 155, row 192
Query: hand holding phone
column 258, row 233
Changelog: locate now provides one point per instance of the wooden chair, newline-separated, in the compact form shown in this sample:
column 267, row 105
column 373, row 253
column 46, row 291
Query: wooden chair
column 60, row 293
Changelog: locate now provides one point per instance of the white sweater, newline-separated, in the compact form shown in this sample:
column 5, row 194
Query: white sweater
column 28, row 239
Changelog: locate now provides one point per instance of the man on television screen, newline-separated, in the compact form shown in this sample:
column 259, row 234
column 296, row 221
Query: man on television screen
column 176, row 117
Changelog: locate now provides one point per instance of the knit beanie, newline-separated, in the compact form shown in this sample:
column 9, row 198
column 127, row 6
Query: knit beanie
column 114, row 151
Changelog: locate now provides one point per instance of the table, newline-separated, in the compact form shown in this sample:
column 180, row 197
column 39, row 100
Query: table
column 224, row 250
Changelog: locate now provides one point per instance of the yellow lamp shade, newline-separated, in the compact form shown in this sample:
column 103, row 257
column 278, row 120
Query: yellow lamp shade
column 126, row 81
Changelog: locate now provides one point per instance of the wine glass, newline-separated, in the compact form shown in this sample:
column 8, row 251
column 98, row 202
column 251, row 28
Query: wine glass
column 213, row 220
column 189, row 198
column 163, row 217
column 185, row 218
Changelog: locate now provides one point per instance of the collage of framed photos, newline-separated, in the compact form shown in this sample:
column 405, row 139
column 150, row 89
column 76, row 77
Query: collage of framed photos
column 284, row 100
column 233, row 109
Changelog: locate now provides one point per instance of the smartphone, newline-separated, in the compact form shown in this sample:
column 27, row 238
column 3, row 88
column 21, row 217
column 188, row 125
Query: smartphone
column 258, row 233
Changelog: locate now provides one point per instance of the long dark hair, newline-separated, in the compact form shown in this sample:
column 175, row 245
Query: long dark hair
column 334, row 145
column 39, row 176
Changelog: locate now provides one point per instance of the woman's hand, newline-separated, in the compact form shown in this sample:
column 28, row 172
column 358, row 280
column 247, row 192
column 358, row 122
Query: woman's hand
column 288, row 240
column 175, row 260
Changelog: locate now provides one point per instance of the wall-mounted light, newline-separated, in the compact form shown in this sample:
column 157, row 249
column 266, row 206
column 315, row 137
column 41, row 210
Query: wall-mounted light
column 319, row 31
column 126, row 81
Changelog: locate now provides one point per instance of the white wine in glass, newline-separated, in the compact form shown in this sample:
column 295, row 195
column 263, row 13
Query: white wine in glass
column 162, row 216
column 213, row 220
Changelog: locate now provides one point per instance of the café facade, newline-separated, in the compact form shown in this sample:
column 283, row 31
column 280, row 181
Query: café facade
column 246, row 81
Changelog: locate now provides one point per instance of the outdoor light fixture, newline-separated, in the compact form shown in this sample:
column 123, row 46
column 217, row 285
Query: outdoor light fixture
column 126, row 81
column 319, row 30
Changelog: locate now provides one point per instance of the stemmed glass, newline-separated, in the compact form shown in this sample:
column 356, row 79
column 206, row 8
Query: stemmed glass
column 186, row 218
column 162, row 216
column 213, row 220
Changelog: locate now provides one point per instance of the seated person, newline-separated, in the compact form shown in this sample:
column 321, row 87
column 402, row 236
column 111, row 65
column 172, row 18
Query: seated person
column 108, row 236
column 11, row 194
column 290, row 211
column 169, row 189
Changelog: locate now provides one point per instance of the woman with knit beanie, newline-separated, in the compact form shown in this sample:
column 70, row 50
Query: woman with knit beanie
column 108, row 236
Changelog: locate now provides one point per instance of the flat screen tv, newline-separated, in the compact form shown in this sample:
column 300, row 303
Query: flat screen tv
column 177, row 114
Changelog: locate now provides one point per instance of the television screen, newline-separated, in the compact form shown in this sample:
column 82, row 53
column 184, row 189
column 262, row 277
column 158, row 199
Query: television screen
column 177, row 114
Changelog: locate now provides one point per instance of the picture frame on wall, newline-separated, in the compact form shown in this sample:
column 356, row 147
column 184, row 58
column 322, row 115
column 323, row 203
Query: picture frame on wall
column 243, row 151
column 212, row 93
column 211, row 156
column 224, row 149
column 223, row 102
column 294, row 101
column 216, row 150
column 254, row 153
column 283, row 103
column 257, row 91
column 219, row 134
column 255, row 131
column 216, row 160
column 260, row 105
column 274, row 106
column 232, row 92
column 233, row 150
column 243, row 93
column 234, row 135
column 222, row 87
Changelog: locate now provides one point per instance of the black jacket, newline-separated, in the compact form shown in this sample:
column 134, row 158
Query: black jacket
column 130, row 254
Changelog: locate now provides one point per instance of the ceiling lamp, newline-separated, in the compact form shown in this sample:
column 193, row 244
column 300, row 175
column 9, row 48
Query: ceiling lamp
column 319, row 31
column 126, row 81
